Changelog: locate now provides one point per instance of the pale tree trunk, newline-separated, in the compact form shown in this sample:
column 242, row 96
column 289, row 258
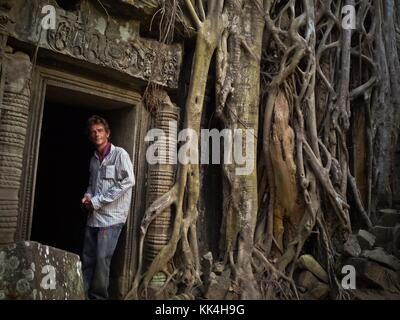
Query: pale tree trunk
column 385, row 107
column 238, row 83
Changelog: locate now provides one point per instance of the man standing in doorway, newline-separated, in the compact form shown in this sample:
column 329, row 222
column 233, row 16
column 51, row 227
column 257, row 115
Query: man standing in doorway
column 107, row 199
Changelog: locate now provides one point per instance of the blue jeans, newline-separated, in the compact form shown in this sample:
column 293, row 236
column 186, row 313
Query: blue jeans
column 98, row 249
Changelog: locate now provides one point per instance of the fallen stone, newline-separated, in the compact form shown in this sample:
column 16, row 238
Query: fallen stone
column 206, row 266
column 352, row 247
column 8, row 49
column 218, row 268
column 383, row 235
column 307, row 280
column 32, row 271
column 365, row 239
column 380, row 256
column 320, row 291
column 371, row 275
column 308, row 262
column 218, row 286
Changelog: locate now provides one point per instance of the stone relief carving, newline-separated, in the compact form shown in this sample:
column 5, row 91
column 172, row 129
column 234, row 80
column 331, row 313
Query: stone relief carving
column 13, row 125
column 5, row 16
column 90, row 35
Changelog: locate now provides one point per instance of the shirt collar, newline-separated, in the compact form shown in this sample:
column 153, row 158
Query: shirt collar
column 106, row 152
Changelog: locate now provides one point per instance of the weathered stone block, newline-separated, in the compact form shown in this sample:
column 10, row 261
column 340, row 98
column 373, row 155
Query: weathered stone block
column 319, row 292
column 365, row 239
column 380, row 256
column 352, row 247
column 308, row 262
column 30, row 270
column 206, row 266
column 218, row 268
column 307, row 280
column 218, row 286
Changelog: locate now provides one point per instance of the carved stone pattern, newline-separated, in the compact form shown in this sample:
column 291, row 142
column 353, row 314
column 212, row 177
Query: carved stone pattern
column 88, row 34
column 13, row 126
column 146, row 59
column 5, row 20
column 161, row 179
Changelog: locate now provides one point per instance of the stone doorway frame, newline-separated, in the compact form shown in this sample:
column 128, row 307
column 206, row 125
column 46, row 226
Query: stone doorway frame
column 44, row 76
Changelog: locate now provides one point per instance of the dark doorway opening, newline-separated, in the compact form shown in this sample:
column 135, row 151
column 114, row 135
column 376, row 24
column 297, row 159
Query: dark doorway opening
column 63, row 164
column 62, row 175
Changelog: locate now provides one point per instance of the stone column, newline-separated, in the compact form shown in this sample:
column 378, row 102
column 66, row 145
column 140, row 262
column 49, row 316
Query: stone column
column 161, row 178
column 14, row 108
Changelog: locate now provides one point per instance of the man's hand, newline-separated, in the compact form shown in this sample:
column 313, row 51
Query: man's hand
column 87, row 203
column 86, row 199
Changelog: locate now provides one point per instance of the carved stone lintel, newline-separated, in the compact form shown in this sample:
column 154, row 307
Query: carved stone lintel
column 91, row 35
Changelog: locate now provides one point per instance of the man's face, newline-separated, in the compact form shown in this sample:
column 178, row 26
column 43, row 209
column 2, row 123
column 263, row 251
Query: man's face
column 98, row 135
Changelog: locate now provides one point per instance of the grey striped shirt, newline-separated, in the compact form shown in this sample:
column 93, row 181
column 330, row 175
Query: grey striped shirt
column 110, row 188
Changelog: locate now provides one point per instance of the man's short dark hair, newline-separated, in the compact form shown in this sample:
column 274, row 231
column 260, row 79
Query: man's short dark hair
column 97, row 120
